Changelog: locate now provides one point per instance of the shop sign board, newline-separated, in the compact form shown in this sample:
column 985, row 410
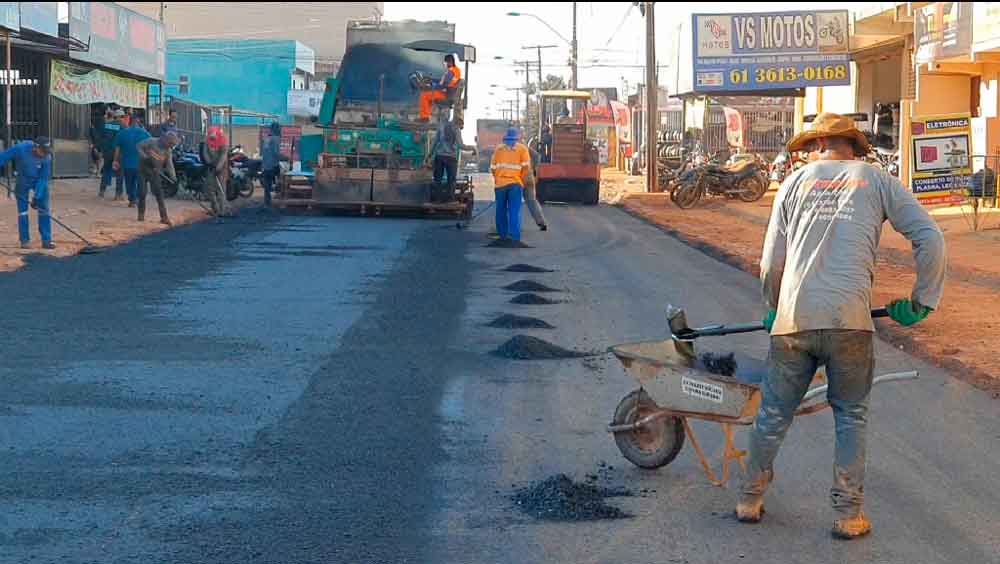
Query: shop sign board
column 941, row 163
column 734, row 127
column 304, row 102
column 76, row 85
column 10, row 16
column 943, row 30
column 119, row 38
column 770, row 51
column 40, row 17
column 985, row 26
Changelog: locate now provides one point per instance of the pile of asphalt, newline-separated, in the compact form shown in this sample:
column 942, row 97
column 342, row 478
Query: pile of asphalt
column 509, row 321
column 532, row 299
column 528, row 286
column 525, row 347
column 721, row 364
column 508, row 244
column 527, row 268
column 558, row 498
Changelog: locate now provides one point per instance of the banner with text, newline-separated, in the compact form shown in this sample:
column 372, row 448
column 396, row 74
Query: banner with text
column 770, row 51
column 76, row 86
column 941, row 167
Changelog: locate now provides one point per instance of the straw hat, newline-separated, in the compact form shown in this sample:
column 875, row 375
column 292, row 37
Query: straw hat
column 828, row 124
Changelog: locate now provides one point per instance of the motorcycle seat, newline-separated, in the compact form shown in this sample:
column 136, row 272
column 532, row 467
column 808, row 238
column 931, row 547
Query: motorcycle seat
column 740, row 166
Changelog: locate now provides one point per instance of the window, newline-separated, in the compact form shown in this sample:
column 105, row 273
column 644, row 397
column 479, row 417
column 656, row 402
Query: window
column 184, row 85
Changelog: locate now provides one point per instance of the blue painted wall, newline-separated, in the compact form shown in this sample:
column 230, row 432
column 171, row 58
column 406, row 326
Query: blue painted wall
column 250, row 74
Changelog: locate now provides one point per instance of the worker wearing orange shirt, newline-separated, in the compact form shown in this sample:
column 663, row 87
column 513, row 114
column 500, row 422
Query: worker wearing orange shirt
column 511, row 168
column 447, row 85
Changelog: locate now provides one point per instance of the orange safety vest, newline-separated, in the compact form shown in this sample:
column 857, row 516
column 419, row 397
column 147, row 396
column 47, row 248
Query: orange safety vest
column 511, row 166
column 456, row 75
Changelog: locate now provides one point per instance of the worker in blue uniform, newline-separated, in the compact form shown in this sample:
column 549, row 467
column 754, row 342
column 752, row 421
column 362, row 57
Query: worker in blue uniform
column 33, row 162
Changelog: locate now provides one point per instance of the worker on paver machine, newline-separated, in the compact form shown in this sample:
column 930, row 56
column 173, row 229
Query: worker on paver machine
column 816, row 270
column 447, row 88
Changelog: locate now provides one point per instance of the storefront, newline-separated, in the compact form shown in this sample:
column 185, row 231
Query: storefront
column 125, row 55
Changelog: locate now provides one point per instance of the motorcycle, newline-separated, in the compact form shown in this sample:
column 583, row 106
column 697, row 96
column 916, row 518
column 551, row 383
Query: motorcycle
column 243, row 171
column 192, row 174
column 745, row 180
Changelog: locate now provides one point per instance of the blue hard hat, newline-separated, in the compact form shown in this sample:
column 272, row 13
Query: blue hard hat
column 512, row 133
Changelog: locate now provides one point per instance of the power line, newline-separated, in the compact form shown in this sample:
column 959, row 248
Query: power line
column 628, row 12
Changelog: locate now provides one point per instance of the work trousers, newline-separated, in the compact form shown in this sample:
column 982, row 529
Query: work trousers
column 150, row 180
column 427, row 99
column 107, row 173
column 131, row 176
column 267, row 179
column 508, row 202
column 217, row 194
column 23, row 224
column 793, row 360
column 445, row 165
column 534, row 208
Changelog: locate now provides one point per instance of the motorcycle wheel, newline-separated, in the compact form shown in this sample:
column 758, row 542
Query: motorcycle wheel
column 232, row 190
column 753, row 189
column 246, row 189
column 170, row 188
column 687, row 195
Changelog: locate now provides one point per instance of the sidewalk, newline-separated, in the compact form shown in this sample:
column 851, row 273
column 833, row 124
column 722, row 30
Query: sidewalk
column 960, row 337
column 102, row 221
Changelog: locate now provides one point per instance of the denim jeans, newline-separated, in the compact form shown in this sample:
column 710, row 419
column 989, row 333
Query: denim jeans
column 508, row 202
column 108, row 173
column 793, row 360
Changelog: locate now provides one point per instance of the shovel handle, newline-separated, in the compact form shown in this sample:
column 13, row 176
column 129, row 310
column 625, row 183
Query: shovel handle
column 720, row 330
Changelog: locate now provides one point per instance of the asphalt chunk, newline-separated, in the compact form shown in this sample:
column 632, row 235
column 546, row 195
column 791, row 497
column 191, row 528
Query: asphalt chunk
column 528, row 286
column 532, row 299
column 525, row 347
column 721, row 364
column 509, row 321
column 558, row 498
column 527, row 268
column 508, row 244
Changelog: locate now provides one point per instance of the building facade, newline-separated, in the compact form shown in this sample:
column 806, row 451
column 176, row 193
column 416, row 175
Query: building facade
column 321, row 25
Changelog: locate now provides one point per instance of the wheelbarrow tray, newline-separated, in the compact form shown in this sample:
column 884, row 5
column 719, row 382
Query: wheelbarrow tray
column 682, row 385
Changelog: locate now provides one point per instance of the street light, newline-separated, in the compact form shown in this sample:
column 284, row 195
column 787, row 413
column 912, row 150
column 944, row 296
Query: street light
column 571, row 43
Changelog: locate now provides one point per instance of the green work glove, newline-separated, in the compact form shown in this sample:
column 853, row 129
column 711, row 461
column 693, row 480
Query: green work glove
column 768, row 321
column 907, row 313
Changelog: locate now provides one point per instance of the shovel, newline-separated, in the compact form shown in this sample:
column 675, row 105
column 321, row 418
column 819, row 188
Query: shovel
column 684, row 336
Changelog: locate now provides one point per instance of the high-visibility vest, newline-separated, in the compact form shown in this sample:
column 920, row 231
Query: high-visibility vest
column 456, row 75
column 511, row 165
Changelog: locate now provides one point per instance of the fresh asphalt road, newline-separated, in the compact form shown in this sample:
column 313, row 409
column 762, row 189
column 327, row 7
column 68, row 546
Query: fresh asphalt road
column 319, row 390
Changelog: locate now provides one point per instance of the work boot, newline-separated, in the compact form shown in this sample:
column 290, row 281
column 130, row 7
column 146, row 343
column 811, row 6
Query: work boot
column 48, row 245
column 25, row 244
column 141, row 218
column 750, row 508
column 131, row 204
column 852, row 527
column 166, row 221
column 543, row 227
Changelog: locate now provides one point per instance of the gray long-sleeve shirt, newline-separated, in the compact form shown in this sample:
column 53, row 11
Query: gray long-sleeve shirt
column 818, row 263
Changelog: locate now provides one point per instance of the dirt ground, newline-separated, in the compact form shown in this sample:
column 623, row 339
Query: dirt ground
column 103, row 222
column 960, row 336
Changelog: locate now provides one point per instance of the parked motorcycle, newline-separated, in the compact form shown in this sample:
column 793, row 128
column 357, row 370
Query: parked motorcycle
column 746, row 180
column 192, row 174
column 243, row 171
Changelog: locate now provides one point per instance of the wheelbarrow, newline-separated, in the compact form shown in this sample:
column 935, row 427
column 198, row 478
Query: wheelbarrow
column 651, row 423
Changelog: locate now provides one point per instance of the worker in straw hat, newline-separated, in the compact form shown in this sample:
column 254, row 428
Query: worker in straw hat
column 816, row 271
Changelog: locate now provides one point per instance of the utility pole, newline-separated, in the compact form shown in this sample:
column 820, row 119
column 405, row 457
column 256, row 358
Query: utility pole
column 573, row 61
column 652, row 105
column 539, row 48
column 527, row 85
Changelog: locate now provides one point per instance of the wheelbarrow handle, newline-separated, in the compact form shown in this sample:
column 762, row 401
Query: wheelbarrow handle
column 720, row 330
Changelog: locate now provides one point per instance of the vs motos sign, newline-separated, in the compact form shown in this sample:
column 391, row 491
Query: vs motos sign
column 770, row 51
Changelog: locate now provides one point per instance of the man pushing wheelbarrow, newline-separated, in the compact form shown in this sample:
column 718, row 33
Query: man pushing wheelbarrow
column 816, row 270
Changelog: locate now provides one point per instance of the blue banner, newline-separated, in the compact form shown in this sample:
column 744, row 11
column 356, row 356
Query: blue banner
column 770, row 51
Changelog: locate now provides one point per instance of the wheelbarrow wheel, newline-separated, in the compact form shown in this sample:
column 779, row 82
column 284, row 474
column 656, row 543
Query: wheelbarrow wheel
column 654, row 445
